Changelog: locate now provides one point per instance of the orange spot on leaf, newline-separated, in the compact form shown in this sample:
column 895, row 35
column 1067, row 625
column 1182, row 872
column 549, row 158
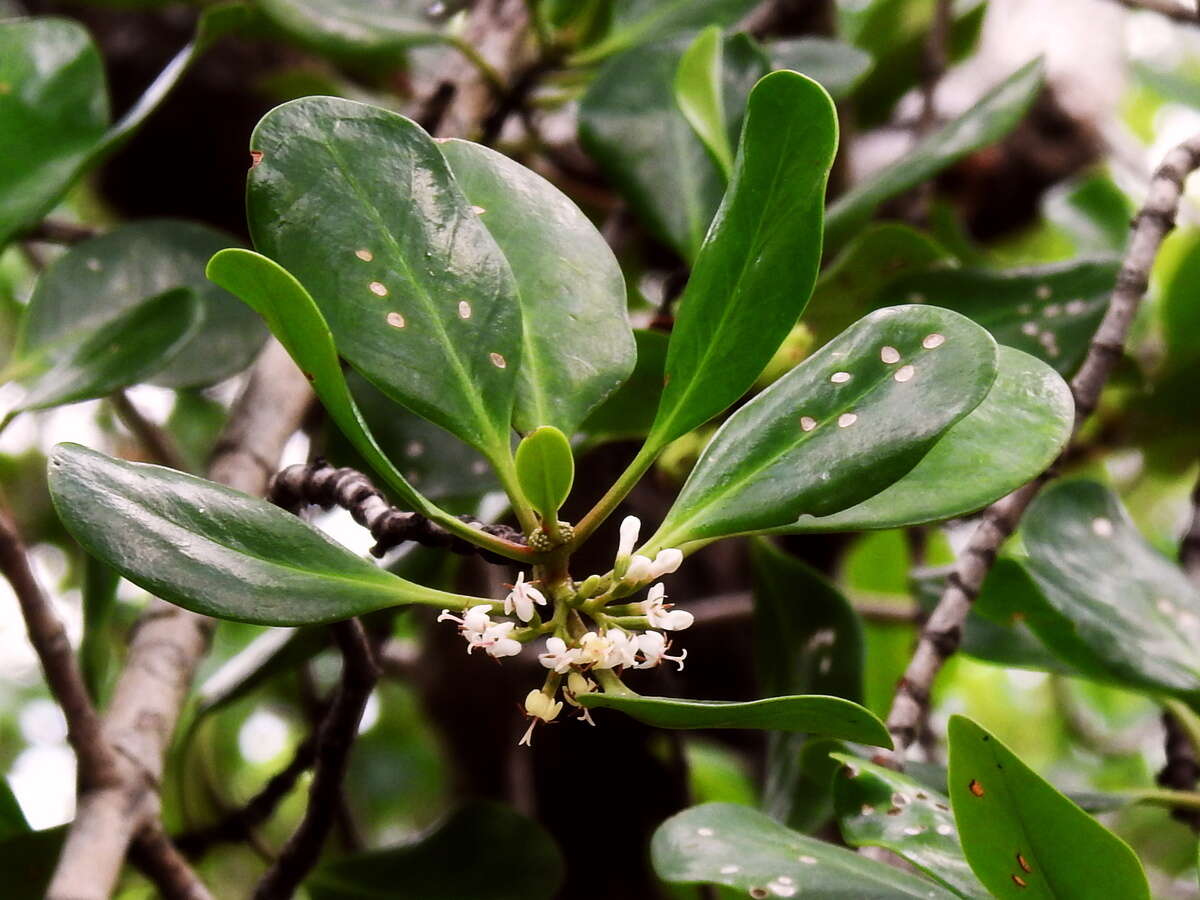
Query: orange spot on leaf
column 976, row 788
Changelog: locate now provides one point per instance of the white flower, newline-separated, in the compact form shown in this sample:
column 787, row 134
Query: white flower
column 522, row 597
column 622, row 650
column 557, row 656
column 660, row 614
column 640, row 569
column 654, row 646
column 593, row 650
column 495, row 640
column 630, row 526
column 666, row 562
column 577, row 685
column 475, row 619
column 539, row 708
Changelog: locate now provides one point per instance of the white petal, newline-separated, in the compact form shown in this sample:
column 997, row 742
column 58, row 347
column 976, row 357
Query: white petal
column 641, row 568
column 630, row 527
column 656, row 594
column 676, row 620
column 504, row 647
column 667, row 562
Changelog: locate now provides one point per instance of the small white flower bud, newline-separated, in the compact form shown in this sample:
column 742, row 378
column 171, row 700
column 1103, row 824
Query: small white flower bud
column 641, row 569
column 666, row 562
column 539, row 706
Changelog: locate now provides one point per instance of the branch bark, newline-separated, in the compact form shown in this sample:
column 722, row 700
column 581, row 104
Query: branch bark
column 335, row 739
column 167, row 644
column 1167, row 8
column 942, row 634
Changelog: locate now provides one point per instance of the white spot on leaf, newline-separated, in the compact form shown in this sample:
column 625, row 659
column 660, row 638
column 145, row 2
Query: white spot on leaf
column 807, row 423
column 839, row 377
column 889, row 355
column 845, row 420
column 1102, row 527
column 808, row 860
column 705, row 832
column 497, row 360
column 364, row 254
column 730, row 870
column 904, row 373
column 464, row 309
column 1044, row 292
column 395, row 320
column 378, row 289
column 933, row 341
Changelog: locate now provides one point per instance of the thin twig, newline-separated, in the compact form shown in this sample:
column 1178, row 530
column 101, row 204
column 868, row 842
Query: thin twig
column 943, row 632
column 56, row 231
column 160, row 861
column 935, row 59
column 1167, row 8
column 158, row 444
column 334, row 742
column 1189, row 544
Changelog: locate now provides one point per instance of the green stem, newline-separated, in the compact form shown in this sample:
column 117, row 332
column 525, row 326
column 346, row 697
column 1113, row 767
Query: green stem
column 541, row 28
column 619, row 490
column 1187, row 720
column 612, row 684
column 473, row 56
column 1163, row 797
column 506, row 471
column 518, row 552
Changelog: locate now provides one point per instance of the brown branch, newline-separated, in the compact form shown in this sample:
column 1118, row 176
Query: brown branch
column 1189, row 545
column 942, row 633
column 56, row 231
column 934, row 62
column 160, row 861
column 1167, row 8
column 160, row 447
column 167, row 644
column 335, row 739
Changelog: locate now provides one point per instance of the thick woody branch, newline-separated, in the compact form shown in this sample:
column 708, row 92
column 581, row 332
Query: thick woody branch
column 320, row 484
column 942, row 634
column 335, row 739
column 1168, row 8
column 160, row 861
column 167, row 644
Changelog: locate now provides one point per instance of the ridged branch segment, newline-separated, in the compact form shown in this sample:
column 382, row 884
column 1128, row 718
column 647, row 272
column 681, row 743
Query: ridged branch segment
column 942, row 634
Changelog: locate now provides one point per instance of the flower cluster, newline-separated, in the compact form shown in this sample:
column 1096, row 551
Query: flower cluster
column 625, row 635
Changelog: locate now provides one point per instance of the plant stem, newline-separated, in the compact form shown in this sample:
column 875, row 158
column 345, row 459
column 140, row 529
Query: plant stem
column 493, row 78
column 615, row 494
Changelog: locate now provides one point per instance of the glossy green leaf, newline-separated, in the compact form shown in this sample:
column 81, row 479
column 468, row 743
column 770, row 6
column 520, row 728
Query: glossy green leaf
column 987, row 121
column 124, row 351
column 1010, row 438
column 640, row 21
column 1177, row 305
column 419, row 297
column 1048, row 311
column 631, row 124
column 372, row 30
column 96, row 656
column 511, row 858
column 807, row 639
column 53, row 113
column 214, row 550
column 577, row 346
column 844, row 424
column 1025, row 839
column 736, row 309
column 726, row 844
column 630, row 411
column 98, row 280
column 851, row 286
column 545, row 470
column 830, row 716
column 294, row 318
column 699, row 95
column 1119, row 610
column 1093, row 210
column 877, row 807
column 838, row 66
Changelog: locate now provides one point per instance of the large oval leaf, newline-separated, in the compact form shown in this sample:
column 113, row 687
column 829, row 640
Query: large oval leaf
column 97, row 280
column 577, row 345
column 698, row 93
column 638, row 21
column 1022, row 837
column 836, row 65
column 122, row 352
column 512, row 858
column 877, row 807
column 214, row 550
column 629, row 412
column 358, row 29
column 1008, row 439
column 1049, row 311
column 53, row 113
column 360, row 206
column 1119, row 609
column 988, row 120
column 721, row 843
column 844, row 424
column 755, row 272
column 813, row 714
column 631, row 124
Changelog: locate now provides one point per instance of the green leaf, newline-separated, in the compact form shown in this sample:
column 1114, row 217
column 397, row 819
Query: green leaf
column 987, row 121
column 838, row 66
column 511, row 858
column 12, row 820
column 807, row 639
column 214, row 550
column 577, row 346
column 639, row 21
column 1010, row 438
column 877, row 807
column 1048, row 311
column 736, row 309
column 27, row 861
column 98, row 280
column 699, row 95
column 631, row 124
column 53, row 112
column 123, row 352
column 418, row 295
column 293, row 317
column 1093, row 211
column 851, row 285
column 545, row 470
column 96, row 649
column 1178, row 272
column 844, row 424
column 1025, row 839
column 358, row 30
column 722, row 843
column 629, row 412
column 830, row 716
column 1117, row 608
